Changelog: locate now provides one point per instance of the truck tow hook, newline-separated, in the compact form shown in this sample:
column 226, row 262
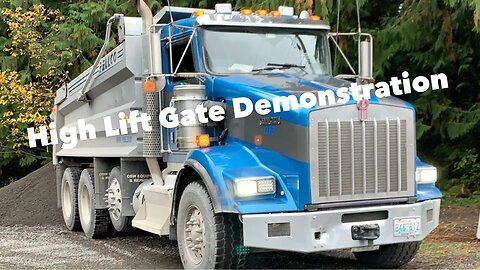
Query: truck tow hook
column 368, row 232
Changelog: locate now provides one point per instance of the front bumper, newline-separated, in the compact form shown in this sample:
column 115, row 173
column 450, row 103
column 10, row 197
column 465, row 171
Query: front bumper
column 325, row 230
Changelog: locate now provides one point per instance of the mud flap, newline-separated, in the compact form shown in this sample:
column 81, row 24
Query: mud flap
column 154, row 212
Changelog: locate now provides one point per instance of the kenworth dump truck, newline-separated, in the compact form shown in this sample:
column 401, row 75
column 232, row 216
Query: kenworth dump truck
column 339, row 176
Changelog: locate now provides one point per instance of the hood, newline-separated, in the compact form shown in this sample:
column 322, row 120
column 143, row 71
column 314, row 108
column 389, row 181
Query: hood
column 269, row 86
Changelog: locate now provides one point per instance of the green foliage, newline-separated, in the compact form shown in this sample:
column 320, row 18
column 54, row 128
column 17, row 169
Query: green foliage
column 424, row 38
column 44, row 44
column 468, row 169
column 435, row 36
column 454, row 201
column 28, row 67
column 421, row 37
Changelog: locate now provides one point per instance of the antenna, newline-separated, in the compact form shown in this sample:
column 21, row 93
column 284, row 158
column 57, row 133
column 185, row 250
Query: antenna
column 358, row 17
column 338, row 28
column 170, row 11
column 359, row 29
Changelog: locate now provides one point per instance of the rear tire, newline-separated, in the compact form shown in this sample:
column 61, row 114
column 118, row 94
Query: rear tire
column 68, row 195
column 122, row 224
column 207, row 240
column 95, row 222
column 389, row 256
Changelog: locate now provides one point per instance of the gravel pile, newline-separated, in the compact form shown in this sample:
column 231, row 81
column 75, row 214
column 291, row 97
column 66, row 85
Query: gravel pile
column 31, row 200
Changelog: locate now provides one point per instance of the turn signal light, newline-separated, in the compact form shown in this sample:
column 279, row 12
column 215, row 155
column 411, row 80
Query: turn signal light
column 258, row 139
column 149, row 86
column 246, row 12
column 275, row 13
column 203, row 140
column 261, row 12
column 197, row 13
column 315, row 18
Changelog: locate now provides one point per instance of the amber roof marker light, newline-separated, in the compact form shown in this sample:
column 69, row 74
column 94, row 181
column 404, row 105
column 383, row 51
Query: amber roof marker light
column 275, row 13
column 246, row 11
column 261, row 12
column 197, row 13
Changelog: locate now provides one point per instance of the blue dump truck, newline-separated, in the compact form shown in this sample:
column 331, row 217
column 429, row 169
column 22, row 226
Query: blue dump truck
column 190, row 128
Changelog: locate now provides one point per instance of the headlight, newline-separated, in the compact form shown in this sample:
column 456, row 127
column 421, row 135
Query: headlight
column 426, row 175
column 246, row 187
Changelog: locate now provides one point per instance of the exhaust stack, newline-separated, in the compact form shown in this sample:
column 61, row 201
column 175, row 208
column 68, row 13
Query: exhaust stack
column 152, row 140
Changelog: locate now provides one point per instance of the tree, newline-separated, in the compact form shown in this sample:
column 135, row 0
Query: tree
column 48, row 43
column 29, row 66
column 44, row 46
column 440, row 36
column 426, row 37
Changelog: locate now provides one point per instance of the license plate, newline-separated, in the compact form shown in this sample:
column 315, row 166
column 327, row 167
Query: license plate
column 406, row 226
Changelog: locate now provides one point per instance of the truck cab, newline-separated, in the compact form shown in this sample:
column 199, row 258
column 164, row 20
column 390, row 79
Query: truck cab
column 263, row 173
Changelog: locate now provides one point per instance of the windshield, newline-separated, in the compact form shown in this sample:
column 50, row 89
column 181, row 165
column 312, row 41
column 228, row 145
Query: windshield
column 231, row 50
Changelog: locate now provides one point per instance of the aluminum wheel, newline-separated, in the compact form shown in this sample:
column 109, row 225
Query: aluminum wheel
column 114, row 199
column 195, row 235
column 85, row 207
column 67, row 201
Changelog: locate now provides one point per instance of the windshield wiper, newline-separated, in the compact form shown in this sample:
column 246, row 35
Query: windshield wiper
column 273, row 66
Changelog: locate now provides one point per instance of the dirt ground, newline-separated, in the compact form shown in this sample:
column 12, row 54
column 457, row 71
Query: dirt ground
column 32, row 235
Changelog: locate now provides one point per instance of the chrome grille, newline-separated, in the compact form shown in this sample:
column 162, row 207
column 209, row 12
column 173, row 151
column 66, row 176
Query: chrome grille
column 354, row 160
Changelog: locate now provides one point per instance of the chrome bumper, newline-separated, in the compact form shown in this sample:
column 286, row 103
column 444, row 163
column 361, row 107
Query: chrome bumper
column 324, row 230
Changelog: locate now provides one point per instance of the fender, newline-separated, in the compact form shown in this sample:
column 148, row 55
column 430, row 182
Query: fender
column 426, row 192
column 212, row 190
column 219, row 166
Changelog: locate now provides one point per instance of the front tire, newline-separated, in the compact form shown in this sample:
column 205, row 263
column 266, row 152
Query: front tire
column 207, row 240
column 389, row 256
column 95, row 222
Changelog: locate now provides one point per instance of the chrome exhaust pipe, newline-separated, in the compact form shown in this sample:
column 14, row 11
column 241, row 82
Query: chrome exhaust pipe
column 153, row 100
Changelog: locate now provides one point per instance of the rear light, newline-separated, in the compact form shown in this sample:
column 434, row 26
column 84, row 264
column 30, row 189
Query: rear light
column 315, row 18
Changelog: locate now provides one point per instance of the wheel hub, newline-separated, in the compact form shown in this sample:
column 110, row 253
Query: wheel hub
column 67, row 201
column 85, row 208
column 194, row 235
column 114, row 199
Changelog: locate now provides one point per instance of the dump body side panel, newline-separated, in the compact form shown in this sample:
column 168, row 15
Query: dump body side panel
column 117, row 88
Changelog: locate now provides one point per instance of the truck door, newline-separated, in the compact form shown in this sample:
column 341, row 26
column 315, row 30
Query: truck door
column 182, row 62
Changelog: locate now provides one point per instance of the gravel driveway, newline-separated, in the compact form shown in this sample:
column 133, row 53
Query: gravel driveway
column 32, row 235
column 55, row 247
